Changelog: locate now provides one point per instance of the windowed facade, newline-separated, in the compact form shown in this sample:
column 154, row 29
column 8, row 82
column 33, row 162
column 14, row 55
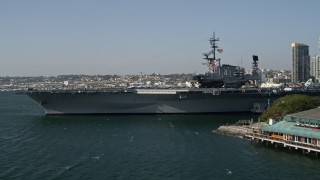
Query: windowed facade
column 300, row 62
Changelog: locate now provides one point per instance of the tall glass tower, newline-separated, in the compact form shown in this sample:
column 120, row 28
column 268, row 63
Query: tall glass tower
column 319, row 46
column 317, row 63
column 300, row 62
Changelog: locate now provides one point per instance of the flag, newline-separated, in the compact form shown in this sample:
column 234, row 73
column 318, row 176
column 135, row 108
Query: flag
column 210, row 66
column 216, row 63
column 220, row 50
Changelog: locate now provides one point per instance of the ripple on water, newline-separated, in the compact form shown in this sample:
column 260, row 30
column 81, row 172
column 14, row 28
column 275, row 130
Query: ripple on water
column 33, row 146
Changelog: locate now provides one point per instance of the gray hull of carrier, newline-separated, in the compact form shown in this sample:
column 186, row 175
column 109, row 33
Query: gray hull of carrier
column 154, row 101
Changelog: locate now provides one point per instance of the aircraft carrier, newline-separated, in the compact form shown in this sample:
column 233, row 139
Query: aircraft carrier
column 224, row 88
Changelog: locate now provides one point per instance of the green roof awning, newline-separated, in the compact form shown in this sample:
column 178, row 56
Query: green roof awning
column 290, row 128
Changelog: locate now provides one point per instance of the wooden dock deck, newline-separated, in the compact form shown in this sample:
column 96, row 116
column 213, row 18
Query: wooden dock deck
column 285, row 143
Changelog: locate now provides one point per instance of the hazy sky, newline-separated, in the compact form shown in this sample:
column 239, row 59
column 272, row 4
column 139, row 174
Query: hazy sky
column 165, row 36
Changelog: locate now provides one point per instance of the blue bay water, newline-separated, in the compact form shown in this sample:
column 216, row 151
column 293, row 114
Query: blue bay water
column 35, row 146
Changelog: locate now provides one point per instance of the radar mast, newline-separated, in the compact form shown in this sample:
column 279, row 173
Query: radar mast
column 212, row 62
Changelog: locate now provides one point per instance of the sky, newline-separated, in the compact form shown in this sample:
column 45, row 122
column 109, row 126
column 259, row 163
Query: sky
column 99, row 37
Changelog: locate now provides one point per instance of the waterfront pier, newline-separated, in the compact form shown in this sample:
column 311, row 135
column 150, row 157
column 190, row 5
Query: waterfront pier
column 279, row 142
column 299, row 131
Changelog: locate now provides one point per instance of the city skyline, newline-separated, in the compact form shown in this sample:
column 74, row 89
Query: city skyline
column 122, row 37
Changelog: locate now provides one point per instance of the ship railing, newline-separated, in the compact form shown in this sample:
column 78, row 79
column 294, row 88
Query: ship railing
column 74, row 91
column 160, row 91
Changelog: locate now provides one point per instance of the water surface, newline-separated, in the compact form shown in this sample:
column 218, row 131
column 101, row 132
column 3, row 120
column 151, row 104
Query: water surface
column 35, row 146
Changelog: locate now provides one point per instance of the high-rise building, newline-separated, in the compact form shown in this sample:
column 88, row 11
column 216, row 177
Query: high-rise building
column 317, row 63
column 315, row 68
column 300, row 62
column 319, row 46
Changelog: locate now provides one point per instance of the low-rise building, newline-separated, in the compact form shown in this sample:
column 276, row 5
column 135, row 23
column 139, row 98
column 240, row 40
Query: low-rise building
column 300, row 131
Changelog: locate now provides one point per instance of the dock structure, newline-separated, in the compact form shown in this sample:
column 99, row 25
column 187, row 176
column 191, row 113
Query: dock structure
column 300, row 131
column 284, row 143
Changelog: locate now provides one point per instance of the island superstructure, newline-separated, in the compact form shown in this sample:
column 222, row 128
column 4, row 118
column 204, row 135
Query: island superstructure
column 226, row 75
column 224, row 88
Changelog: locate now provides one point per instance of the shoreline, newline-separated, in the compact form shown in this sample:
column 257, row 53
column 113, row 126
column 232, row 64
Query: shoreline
column 239, row 130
